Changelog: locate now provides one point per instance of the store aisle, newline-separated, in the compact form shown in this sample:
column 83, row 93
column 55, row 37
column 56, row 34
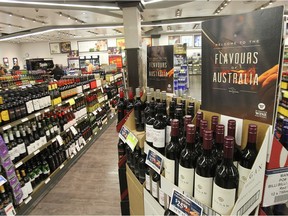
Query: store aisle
column 91, row 186
column 195, row 86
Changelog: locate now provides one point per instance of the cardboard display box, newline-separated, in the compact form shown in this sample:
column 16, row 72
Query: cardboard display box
column 136, row 196
column 252, row 191
column 151, row 205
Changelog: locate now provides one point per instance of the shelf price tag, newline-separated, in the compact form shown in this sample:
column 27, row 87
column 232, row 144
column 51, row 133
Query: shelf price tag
column 154, row 161
column 24, row 120
column 132, row 141
column 123, row 133
column 2, row 180
column 183, row 206
column 74, row 131
column 6, row 127
column 71, row 101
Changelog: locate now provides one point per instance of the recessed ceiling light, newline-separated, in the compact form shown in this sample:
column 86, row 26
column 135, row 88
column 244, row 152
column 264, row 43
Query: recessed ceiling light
column 10, row 14
column 262, row 8
column 23, row 18
column 270, row 2
column 221, row 7
column 60, row 14
column 76, row 20
column 225, row 3
column 69, row 17
column 34, row 20
column 10, row 25
column 83, row 13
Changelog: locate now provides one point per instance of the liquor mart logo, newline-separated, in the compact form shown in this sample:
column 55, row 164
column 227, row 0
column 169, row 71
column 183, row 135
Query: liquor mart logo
column 261, row 106
column 220, row 199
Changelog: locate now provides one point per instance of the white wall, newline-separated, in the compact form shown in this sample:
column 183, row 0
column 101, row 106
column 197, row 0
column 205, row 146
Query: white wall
column 10, row 50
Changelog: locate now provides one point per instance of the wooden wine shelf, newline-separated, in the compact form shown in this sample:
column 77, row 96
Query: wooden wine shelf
column 45, row 186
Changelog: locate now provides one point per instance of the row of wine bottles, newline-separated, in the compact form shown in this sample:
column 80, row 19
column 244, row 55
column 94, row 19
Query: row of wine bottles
column 18, row 103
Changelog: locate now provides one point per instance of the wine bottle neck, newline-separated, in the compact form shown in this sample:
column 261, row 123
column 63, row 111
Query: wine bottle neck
column 175, row 138
column 190, row 146
column 251, row 145
column 207, row 152
column 228, row 161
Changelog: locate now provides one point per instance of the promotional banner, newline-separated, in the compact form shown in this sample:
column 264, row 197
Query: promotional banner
column 240, row 64
column 160, row 68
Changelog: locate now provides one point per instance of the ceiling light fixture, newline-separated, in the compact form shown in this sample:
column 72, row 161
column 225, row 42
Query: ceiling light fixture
column 23, row 18
column 34, row 20
column 221, row 6
column 10, row 14
column 178, row 13
column 60, row 14
column 69, row 17
column 150, row 2
column 265, row 5
column 59, row 4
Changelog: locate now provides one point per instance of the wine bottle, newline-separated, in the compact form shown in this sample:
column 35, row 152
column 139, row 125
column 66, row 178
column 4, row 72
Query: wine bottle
column 171, row 116
column 21, row 145
column 182, row 141
column 190, row 109
column 232, row 132
column 163, row 101
column 187, row 162
column 121, row 106
column 136, row 156
column 142, row 166
column 28, row 185
column 179, row 116
column 214, row 122
column 155, row 185
column 217, row 151
column 148, row 178
column 15, row 157
column 139, row 112
column 45, row 168
column 37, row 142
column 199, row 117
column 225, row 181
column 172, row 153
column 249, row 154
column 130, row 102
column 42, row 135
column 203, row 127
column 150, row 121
column 205, row 171
column 159, row 130
column 147, row 107
column 121, row 149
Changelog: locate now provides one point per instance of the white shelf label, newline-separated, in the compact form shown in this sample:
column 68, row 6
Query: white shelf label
column 53, row 140
column 18, row 164
column 24, row 120
column 28, row 200
column 46, row 110
column 61, row 166
column 37, row 114
column 47, row 180
column 60, row 140
column 36, row 152
column 6, row 127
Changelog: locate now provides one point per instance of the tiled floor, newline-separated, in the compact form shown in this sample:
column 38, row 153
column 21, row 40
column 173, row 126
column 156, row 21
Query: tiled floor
column 91, row 186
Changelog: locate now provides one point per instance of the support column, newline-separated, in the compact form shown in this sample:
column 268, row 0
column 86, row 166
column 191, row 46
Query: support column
column 133, row 42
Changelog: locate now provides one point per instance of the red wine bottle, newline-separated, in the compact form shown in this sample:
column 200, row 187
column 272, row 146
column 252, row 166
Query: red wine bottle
column 214, row 122
column 199, row 117
column 225, row 181
column 121, row 106
column 142, row 166
column 139, row 112
column 232, row 132
column 205, row 171
column 172, row 153
column 121, row 149
column 155, row 185
column 148, row 178
column 182, row 141
column 187, row 161
column 179, row 116
column 172, row 107
column 147, row 108
column 159, row 130
column 150, row 121
column 130, row 102
column 217, row 151
column 249, row 154
column 203, row 126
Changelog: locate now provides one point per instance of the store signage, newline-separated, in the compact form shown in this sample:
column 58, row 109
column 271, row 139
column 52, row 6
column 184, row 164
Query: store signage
column 128, row 137
column 240, row 64
column 160, row 68
column 183, row 206
column 154, row 161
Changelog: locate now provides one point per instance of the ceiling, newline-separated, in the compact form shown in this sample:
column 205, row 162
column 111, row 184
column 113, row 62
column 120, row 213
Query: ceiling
column 158, row 17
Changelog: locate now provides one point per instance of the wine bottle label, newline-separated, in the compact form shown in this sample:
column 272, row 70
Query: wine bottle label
column 186, row 179
column 29, row 148
column 11, row 153
column 29, row 187
column 149, row 133
column 223, row 199
column 17, row 151
column 36, row 104
column 169, row 166
column 243, row 174
column 235, row 163
column 155, row 189
column 55, row 128
column 41, row 103
column 148, row 182
column 29, row 106
column 161, row 197
column 51, row 130
column 25, row 192
column 44, row 140
column 158, row 138
column 5, row 115
column 203, row 189
column 47, row 133
column 22, row 149
column 168, row 134
column 48, row 100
